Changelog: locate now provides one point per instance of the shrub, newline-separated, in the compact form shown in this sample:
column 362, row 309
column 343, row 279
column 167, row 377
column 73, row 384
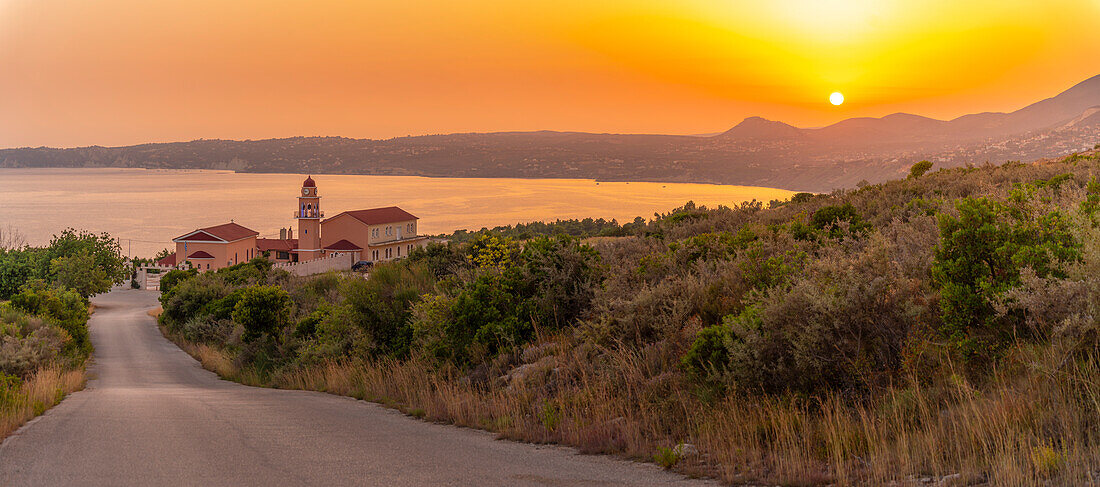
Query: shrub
column 840, row 325
column 708, row 358
column 558, row 277
column 832, row 217
column 380, row 306
column 801, row 197
column 191, row 297
column 64, row 307
column 261, row 310
column 206, row 329
column 666, row 457
column 979, row 259
column 173, row 277
column 27, row 343
column 919, row 169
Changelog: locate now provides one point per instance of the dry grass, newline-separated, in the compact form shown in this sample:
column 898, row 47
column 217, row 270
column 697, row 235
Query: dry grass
column 155, row 312
column 43, row 390
column 212, row 358
column 1039, row 427
column 1039, row 430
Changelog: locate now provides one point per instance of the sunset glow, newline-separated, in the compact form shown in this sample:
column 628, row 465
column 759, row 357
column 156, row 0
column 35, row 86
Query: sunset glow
column 125, row 71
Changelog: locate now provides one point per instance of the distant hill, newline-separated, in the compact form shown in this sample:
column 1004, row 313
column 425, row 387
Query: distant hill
column 756, row 151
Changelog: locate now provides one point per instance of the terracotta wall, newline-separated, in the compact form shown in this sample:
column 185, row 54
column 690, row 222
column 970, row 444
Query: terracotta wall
column 225, row 254
column 344, row 227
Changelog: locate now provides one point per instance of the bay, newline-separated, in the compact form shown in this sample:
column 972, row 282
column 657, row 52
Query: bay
column 147, row 208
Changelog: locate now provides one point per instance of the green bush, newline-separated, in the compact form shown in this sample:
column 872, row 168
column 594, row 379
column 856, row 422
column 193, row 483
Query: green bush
column 919, row 169
column 708, row 358
column 802, row 197
column 979, row 259
column 172, row 278
column 830, row 218
column 190, row 298
column 64, row 307
column 261, row 310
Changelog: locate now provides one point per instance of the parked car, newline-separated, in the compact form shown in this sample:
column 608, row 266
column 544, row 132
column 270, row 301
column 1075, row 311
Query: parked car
column 362, row 266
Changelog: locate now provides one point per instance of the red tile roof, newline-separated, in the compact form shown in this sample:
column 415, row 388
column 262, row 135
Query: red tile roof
column 168, row 261
column 376, row 216
column 227, row 232
column 200, row 255
column 343, row 245
column 283, row 245
column 200, row 236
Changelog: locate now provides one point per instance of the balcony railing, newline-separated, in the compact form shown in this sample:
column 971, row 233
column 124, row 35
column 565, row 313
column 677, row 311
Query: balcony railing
column 309, row 214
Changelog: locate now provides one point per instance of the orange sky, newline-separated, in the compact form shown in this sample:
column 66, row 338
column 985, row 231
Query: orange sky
column 114, row 72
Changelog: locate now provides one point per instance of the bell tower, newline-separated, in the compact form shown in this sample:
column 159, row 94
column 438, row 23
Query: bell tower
column 309, row 216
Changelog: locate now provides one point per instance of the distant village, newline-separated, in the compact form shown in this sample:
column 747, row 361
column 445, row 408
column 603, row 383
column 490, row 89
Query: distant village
column 319, row 245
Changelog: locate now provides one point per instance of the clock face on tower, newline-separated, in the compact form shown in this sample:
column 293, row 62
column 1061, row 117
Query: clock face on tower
column 305, row 191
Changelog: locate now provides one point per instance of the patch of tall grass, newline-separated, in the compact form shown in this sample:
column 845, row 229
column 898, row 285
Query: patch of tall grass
column 1031, row 428
column 22, row 400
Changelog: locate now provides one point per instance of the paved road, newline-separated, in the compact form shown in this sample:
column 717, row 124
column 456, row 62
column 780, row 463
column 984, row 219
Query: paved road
column 152, row 416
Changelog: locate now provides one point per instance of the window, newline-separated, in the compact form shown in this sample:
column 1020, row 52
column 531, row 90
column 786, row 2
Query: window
column 234, row 257
column 399, row 251
column 282, row 255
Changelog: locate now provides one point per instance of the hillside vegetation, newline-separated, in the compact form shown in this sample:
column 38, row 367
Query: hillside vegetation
column 938, row 328
column 44, row 339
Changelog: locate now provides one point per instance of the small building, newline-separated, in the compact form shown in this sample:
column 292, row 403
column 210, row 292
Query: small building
column 376, row 235
column 216, row 247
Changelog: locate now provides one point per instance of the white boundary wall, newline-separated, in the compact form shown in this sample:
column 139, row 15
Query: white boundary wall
column 151, row 281
column 340, row 262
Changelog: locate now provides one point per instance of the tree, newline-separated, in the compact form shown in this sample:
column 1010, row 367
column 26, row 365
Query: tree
column 105, row 252
column 17, row 267
column 80, row 273
column 261, row 310
column 919, row 169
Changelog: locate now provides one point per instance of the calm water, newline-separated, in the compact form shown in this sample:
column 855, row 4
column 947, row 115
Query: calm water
column 147, row 208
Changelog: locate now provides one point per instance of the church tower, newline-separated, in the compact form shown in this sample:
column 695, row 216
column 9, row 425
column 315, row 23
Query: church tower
column 309, row 217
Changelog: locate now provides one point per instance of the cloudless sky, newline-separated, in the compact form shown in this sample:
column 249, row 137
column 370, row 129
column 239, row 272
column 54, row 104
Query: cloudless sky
column 116, row 72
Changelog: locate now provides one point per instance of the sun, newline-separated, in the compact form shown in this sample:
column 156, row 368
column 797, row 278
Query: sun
column 836, row 98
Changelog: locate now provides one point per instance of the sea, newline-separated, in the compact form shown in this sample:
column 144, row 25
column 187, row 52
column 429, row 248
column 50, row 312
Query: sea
column 146, row 208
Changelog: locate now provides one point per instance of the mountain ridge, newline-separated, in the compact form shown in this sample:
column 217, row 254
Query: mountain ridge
column 756, row 151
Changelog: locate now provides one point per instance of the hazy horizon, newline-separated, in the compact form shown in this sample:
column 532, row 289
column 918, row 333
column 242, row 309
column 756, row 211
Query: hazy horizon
column 121, row 72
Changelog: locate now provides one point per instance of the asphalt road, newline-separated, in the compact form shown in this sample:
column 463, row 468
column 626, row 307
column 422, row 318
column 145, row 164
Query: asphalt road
column 152, row 416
